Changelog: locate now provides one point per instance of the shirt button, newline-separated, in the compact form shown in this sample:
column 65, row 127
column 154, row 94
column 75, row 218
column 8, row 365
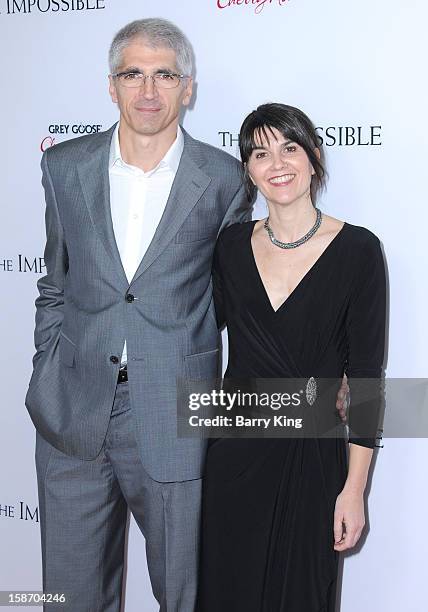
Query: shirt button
column 114, row 359
column 129, row 297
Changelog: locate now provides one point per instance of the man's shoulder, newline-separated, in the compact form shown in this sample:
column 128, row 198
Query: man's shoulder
column 218, row 154
column 221, row 160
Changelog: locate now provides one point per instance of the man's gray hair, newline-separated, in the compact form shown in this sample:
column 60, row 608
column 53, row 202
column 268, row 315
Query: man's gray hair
column 156, row 32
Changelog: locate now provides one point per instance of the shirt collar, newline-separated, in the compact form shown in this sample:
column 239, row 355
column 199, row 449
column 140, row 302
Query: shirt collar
column 170, row 160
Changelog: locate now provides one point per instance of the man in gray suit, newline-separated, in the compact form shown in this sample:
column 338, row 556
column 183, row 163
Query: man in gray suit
column 132, row 216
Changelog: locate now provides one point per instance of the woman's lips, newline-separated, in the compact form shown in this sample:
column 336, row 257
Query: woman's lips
column 283, row 179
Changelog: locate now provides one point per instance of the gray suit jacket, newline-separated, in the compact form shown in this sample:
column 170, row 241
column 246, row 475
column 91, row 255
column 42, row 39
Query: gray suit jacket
column 83, row 316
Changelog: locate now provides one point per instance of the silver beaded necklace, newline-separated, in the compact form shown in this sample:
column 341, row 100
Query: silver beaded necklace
column 293, row 245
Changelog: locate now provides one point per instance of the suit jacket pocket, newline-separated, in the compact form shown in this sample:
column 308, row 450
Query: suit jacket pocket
column 202, row 366
column 196, row 235
column 67, row 350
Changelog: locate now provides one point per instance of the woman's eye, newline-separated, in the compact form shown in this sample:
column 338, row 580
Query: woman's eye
column 260, row 155
column 291, row 149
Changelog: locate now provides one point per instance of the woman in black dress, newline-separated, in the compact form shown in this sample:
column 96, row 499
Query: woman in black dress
column 302, row 295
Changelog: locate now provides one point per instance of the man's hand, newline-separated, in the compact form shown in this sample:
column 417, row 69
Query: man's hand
column 343, row 398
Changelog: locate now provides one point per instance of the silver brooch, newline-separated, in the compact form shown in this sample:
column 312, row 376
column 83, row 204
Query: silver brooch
column 311, row 391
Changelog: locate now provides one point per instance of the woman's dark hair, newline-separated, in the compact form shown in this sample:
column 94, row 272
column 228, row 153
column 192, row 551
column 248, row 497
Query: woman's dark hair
column 293, row 125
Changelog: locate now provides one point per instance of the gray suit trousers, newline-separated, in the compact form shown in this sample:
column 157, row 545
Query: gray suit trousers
column 83, row 514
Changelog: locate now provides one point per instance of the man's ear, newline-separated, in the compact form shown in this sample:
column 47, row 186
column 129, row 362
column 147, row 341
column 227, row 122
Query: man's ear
column 188, row 92
column 112, row 89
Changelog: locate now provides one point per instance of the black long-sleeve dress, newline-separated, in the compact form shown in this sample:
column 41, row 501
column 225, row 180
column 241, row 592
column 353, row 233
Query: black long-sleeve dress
column 268, row 504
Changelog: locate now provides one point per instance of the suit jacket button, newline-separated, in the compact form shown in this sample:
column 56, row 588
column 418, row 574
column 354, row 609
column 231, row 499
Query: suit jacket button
column 114, row 359
column 129, row 297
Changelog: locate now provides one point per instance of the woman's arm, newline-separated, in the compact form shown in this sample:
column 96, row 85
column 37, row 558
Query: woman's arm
column 366, row 342
column 365, row 330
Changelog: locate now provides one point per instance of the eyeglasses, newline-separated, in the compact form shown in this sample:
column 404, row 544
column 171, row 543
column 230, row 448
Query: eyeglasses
column 162, row 80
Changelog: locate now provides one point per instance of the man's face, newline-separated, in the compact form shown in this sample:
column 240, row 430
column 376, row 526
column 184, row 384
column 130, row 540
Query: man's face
column 148, row 110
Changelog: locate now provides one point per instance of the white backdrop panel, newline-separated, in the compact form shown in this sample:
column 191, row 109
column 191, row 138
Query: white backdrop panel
column 346, row 64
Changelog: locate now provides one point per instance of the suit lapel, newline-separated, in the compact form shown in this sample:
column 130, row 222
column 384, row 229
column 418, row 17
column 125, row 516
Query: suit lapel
column 189, row 184
column 93, row 173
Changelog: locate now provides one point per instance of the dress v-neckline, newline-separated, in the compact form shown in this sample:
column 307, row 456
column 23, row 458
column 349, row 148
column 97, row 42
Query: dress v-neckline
column 304, row 277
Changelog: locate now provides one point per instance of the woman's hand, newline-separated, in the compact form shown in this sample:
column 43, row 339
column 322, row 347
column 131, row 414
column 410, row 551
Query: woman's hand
column 349, row 519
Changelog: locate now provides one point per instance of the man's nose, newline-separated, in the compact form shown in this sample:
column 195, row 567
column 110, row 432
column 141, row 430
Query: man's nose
column 148, row 88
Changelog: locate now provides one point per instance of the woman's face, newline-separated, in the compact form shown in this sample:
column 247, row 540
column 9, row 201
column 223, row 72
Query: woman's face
column 280, row 168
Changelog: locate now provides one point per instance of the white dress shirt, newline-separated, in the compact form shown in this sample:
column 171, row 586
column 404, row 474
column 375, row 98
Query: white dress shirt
column 137, row 200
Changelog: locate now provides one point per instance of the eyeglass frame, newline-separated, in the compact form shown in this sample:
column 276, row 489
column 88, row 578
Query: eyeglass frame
column 116, row 75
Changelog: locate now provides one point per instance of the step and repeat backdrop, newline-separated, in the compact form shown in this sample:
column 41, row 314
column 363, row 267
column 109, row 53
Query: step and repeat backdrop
column 357, row 69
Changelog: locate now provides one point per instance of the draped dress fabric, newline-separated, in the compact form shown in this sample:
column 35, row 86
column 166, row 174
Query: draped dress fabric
column 268, row 504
